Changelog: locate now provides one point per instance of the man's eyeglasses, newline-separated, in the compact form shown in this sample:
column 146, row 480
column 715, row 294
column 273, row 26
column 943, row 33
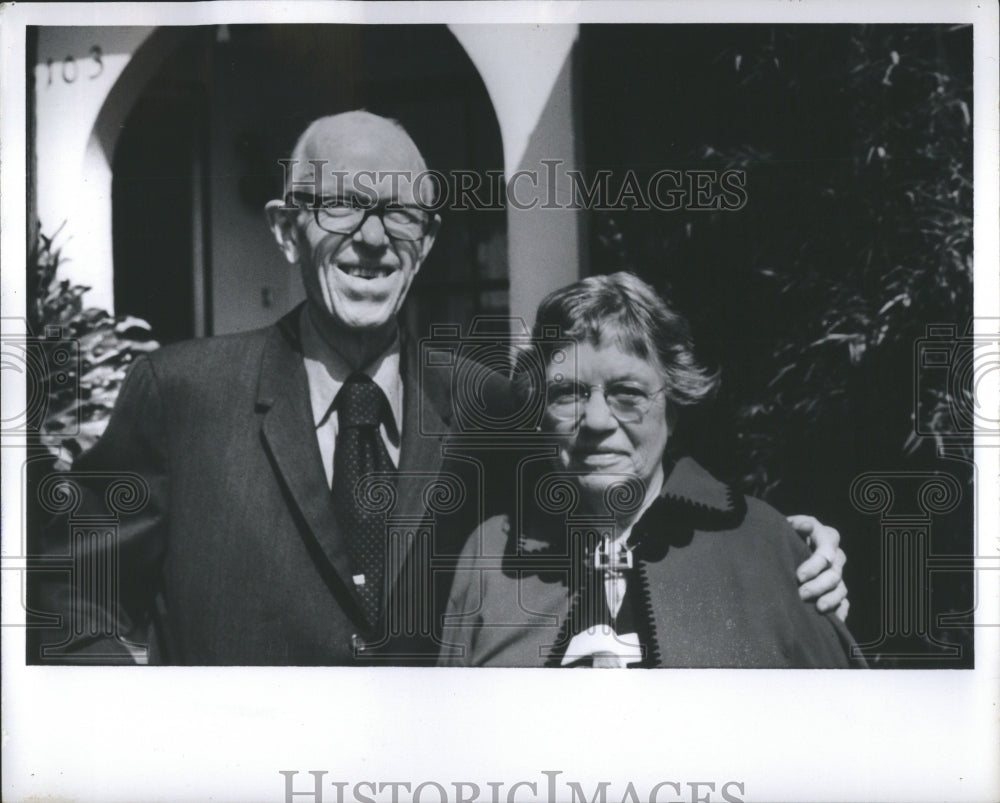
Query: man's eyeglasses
column 628, row 403
column 345, row 216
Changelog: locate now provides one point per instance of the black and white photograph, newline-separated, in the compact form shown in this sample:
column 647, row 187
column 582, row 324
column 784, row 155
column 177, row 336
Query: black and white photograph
column 350, row 347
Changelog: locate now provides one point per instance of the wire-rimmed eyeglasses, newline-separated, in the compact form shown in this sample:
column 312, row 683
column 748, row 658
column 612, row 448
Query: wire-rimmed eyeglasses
column 629, row 403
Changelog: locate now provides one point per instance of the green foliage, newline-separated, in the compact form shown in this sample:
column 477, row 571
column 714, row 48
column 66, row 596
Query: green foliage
column 892, row 250
column 856, row 142
column 78, row 408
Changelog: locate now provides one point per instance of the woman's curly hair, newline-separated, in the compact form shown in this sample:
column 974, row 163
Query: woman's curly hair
column 623, row 309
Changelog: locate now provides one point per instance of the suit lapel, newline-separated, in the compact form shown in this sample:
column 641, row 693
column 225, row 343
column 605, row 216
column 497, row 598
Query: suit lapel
column 426, row 417
column 287, row 428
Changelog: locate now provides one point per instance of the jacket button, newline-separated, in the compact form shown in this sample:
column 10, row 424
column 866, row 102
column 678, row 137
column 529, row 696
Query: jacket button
column 358, row 643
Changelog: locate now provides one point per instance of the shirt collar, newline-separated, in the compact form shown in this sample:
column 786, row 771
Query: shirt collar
column 327, row 370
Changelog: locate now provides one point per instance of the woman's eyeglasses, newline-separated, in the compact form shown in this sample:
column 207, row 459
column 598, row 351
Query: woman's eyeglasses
column 627, row 403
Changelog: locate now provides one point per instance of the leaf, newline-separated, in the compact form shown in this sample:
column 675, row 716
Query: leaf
column 132, row 327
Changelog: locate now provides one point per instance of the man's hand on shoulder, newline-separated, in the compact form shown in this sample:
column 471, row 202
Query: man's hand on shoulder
column 821, row 576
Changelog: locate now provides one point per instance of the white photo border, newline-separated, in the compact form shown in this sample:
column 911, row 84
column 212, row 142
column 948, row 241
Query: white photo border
column 177, row 734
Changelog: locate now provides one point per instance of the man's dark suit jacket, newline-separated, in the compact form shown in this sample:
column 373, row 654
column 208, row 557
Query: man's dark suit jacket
column 236, row 558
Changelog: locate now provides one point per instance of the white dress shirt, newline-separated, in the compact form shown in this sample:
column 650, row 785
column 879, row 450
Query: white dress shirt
column 327, row 370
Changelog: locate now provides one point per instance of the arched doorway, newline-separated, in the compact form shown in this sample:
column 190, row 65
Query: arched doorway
column 198, row 154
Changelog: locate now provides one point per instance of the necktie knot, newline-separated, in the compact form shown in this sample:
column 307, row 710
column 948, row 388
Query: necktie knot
column 360, row 403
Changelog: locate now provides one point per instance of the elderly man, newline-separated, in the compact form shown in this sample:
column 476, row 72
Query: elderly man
column 250, row 540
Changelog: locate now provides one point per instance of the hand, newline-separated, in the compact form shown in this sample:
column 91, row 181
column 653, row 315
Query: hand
column 821, row 576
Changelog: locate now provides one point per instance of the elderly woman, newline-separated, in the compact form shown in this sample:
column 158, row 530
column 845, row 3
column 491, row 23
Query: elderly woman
column 620, row 555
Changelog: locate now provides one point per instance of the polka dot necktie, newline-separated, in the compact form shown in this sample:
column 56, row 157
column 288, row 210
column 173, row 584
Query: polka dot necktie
column 361, row 407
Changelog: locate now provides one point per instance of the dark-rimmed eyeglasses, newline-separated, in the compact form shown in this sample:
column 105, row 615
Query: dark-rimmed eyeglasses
column 628, row 403
column 346, row 215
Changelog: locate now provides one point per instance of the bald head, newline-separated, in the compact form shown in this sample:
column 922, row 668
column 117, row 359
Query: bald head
column 352, row 142
column 353, row 223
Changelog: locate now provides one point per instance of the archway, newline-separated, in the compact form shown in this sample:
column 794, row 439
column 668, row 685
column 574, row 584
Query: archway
column 197, row 158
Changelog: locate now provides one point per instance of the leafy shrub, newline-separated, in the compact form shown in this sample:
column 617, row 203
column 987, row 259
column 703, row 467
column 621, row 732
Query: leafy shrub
column 856, row 142
column 107, row 346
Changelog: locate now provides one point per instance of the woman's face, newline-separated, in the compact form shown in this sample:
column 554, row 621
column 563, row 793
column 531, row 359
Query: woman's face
column 594, row 442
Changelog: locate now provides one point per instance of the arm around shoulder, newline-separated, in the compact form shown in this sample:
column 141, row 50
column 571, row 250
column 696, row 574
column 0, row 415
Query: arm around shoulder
column 817, row 640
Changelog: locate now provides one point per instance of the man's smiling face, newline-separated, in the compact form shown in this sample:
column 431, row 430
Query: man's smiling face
column 358, row 278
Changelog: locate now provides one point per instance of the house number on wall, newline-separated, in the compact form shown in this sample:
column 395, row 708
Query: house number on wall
column 69, row 70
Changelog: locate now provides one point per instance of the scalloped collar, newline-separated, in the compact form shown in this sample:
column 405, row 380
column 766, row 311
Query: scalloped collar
column 688, row 483
column 690, row 495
